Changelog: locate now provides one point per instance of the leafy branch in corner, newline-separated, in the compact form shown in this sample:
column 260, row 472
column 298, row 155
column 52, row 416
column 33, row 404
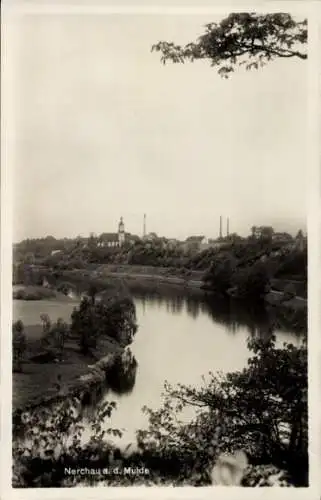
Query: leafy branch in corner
column 242, row 39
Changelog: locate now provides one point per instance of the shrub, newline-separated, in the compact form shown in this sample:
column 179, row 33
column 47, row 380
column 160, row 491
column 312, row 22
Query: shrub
column 294, row 264
column 33, row 293
column 219, row 278
column 54, row 442
column 114, row 317
column 59, row 332
column 261, row 410
column 252, row 282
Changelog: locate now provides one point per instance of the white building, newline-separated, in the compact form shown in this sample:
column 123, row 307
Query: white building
column 113, row 239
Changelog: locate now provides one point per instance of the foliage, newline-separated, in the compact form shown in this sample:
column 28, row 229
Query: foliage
column 261, row 410
column 46, row 328
column 242, row 39
column 252, row 282
column 219, row 278
column 263, row 232
column 33, row 293
column 294, row 264
column 18, row 345
column 52, row 342
column 49, row 439
column 64, row 287
column 155, row 254
column 59, row 333
column 245, row 252
column 112, row 317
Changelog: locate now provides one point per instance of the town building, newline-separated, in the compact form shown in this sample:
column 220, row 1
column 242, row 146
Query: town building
column 195, row 243
column 113, row 239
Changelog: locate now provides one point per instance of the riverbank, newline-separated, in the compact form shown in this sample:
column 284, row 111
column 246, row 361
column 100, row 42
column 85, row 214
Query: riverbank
column 31, row 292
column 208, row 339
column 151, row 276
column 54, row 358
column 42, row 381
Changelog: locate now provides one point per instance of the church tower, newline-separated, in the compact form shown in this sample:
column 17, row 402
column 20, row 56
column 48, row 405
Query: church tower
column 121, row 232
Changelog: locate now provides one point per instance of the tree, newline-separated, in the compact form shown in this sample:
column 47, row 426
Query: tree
column 219, row 277
column 242, row 39
column 46, row 328
column 51, row 441
column 113, row 317
column 261, row 410
column 59, row 333
column 18, row 345
column 92, row 293
column 252, row 282
column 83, row 325
column 267, row 232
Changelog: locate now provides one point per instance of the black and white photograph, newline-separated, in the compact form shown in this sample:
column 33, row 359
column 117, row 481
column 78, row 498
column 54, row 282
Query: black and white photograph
column 159, row 249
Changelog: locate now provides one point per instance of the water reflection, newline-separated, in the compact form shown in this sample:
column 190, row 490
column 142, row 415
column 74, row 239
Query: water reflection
column 233, row 315
column 120, row 380
column 182, row 335
column 122, row 376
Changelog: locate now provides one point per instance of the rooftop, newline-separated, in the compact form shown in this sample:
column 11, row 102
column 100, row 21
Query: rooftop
column 192, row 239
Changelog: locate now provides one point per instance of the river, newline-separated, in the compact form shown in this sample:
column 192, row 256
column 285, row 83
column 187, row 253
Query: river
column 180, row 338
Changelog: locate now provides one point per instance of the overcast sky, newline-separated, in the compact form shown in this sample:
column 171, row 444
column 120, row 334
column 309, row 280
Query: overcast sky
column 103, row 129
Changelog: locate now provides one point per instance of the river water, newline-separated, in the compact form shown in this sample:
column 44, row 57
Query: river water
column 181, row 337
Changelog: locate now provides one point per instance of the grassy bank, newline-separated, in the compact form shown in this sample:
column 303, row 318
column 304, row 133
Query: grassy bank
column 103, row 276
column 151, row 276
column 43, row 378
column 31, row 292
column 51, row 356
column 292, row 313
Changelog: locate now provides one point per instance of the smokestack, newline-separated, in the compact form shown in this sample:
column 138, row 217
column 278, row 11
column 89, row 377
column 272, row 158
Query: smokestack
column 220, row 226
column 144, row 226
column 228, row 226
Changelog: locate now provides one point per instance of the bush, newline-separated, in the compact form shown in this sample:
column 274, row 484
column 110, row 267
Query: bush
column 261, row 410
column 294, row 264
column 33, row 293
column 252, row 282
column 113, row 317
column 219, row 278
column 42, row 462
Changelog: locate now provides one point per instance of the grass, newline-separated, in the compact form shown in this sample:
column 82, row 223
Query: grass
column 35, row 293
column 39, row 379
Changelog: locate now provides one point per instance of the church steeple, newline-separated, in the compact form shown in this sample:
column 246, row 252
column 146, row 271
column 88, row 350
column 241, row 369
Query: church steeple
column 121, row 232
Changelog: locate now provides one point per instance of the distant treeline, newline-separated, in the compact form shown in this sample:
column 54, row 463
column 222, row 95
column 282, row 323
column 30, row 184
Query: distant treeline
column 243, row 268
column 79, row 253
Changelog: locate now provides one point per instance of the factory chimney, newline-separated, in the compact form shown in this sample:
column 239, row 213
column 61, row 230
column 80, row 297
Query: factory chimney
column 144, row 226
